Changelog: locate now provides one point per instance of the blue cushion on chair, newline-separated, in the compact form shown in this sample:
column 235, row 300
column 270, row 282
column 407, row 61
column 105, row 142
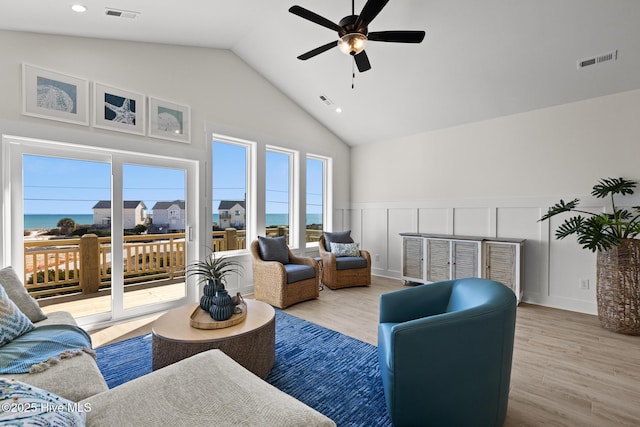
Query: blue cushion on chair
column 350, row 262
column 298, row 272
column 336, row 237
column 274, row 249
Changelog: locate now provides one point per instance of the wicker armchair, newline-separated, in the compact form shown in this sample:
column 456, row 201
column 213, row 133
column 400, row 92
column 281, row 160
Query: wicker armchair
column 336, row 278
column 270, row 280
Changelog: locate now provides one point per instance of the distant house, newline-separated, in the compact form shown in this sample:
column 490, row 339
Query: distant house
column 232, row 214
column 169, row 215
column 135, row 213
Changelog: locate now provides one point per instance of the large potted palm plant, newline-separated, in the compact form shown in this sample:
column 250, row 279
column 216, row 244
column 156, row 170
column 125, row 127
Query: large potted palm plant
column 612, row 235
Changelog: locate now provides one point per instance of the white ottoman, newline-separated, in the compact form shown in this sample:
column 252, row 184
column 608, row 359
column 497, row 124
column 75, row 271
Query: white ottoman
column 208, row 389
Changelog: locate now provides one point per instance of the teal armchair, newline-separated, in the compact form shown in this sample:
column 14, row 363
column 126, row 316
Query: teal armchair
column 445, row 352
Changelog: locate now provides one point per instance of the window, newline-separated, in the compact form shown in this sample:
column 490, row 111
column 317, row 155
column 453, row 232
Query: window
column 230, row 188
column 316, row 193
column 278, row 193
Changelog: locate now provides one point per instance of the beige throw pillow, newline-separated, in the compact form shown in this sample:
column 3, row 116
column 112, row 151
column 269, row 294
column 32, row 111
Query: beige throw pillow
column 18, row 294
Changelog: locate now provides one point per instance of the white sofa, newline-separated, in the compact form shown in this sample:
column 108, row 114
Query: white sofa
column 207, row 389
column 74, row 378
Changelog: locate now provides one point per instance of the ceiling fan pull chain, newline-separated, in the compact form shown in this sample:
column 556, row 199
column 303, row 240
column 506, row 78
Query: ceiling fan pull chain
column 353, row 73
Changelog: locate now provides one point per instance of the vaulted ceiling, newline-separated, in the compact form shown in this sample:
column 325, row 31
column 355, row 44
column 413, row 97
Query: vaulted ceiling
column 480, row 59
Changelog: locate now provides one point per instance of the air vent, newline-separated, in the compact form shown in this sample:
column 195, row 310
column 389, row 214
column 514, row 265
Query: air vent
column 121, row 13
column 605, row 57
column 326, row 100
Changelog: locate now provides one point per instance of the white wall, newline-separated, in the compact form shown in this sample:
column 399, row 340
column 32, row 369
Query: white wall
column 497, row 178
column 226, row 96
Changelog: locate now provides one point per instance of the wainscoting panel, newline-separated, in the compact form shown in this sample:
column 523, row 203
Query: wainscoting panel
column 472, row 221
column 356, row 226
column 435, row 220
column 518, row 222
column 373, row 221
column 569, row 264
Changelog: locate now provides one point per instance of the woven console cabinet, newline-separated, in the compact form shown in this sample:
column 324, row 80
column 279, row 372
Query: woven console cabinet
column 618, row 288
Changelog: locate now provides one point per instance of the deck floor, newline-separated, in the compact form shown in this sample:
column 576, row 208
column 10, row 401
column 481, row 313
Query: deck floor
column 102, row 304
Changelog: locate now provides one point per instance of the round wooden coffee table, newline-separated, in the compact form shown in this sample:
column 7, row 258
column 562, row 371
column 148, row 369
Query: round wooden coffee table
column 250, row 343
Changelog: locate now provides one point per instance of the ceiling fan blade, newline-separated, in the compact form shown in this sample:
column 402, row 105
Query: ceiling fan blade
column 369, row 12
column 315, row 18
column 318, row 50
column 362, row 61
column 397, row 36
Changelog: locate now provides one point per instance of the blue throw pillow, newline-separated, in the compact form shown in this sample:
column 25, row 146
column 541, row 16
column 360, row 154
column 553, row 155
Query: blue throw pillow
column 336, row 237
column 274, row 249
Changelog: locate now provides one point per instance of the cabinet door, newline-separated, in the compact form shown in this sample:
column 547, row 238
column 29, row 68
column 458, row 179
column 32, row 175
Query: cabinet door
column 501, row 263
column 465, row 260
column 413, row 258
column 438, row 260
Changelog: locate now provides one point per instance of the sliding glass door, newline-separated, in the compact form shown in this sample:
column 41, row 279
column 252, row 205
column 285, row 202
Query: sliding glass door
column 154, row 224
column 60, row 196
column 102, row 235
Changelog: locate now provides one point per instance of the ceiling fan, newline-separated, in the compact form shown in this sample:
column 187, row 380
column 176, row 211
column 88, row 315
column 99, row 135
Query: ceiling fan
column 353, row 32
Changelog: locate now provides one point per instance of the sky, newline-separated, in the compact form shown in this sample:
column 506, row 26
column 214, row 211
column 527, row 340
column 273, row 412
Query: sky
column 65, row 186
column 52, row 185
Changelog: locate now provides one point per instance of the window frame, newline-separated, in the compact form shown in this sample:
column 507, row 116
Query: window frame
column 251, row 215
column 292, row 198
column 327, row 194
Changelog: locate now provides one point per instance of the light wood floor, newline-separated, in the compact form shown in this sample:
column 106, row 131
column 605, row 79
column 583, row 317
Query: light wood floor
column 567, row 370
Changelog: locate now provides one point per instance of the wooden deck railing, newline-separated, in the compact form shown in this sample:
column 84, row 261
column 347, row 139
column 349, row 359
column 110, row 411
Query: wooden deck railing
column 83, row 265
column 55, row 267
column 51, row 266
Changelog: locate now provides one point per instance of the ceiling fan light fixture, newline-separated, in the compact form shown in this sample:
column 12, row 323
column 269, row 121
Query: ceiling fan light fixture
column 352, row 43
column 80, row 8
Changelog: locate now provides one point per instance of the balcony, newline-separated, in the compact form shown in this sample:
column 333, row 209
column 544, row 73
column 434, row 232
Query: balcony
column 75, row 274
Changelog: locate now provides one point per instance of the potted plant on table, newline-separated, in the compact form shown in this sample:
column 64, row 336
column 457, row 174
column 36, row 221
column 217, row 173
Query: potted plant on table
column 212, row 271
column 612, row 235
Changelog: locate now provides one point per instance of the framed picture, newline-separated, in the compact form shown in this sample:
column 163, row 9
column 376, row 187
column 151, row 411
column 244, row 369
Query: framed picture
column 168, row 120
column 51, row 95
column 118, row 109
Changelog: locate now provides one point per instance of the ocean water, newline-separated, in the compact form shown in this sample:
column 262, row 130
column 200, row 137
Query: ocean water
column 36, row 221
column 46, row 221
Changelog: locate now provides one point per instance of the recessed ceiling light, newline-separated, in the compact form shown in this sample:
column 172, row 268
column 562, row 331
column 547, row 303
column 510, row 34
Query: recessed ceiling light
column 79, row 8
column 338, row 110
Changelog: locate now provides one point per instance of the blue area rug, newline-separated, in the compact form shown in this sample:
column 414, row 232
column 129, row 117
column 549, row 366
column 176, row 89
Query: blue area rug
column 335, row 374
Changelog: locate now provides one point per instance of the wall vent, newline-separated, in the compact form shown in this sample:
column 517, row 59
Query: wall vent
column 605, row 57
column 121, row 13
column 326, row 100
